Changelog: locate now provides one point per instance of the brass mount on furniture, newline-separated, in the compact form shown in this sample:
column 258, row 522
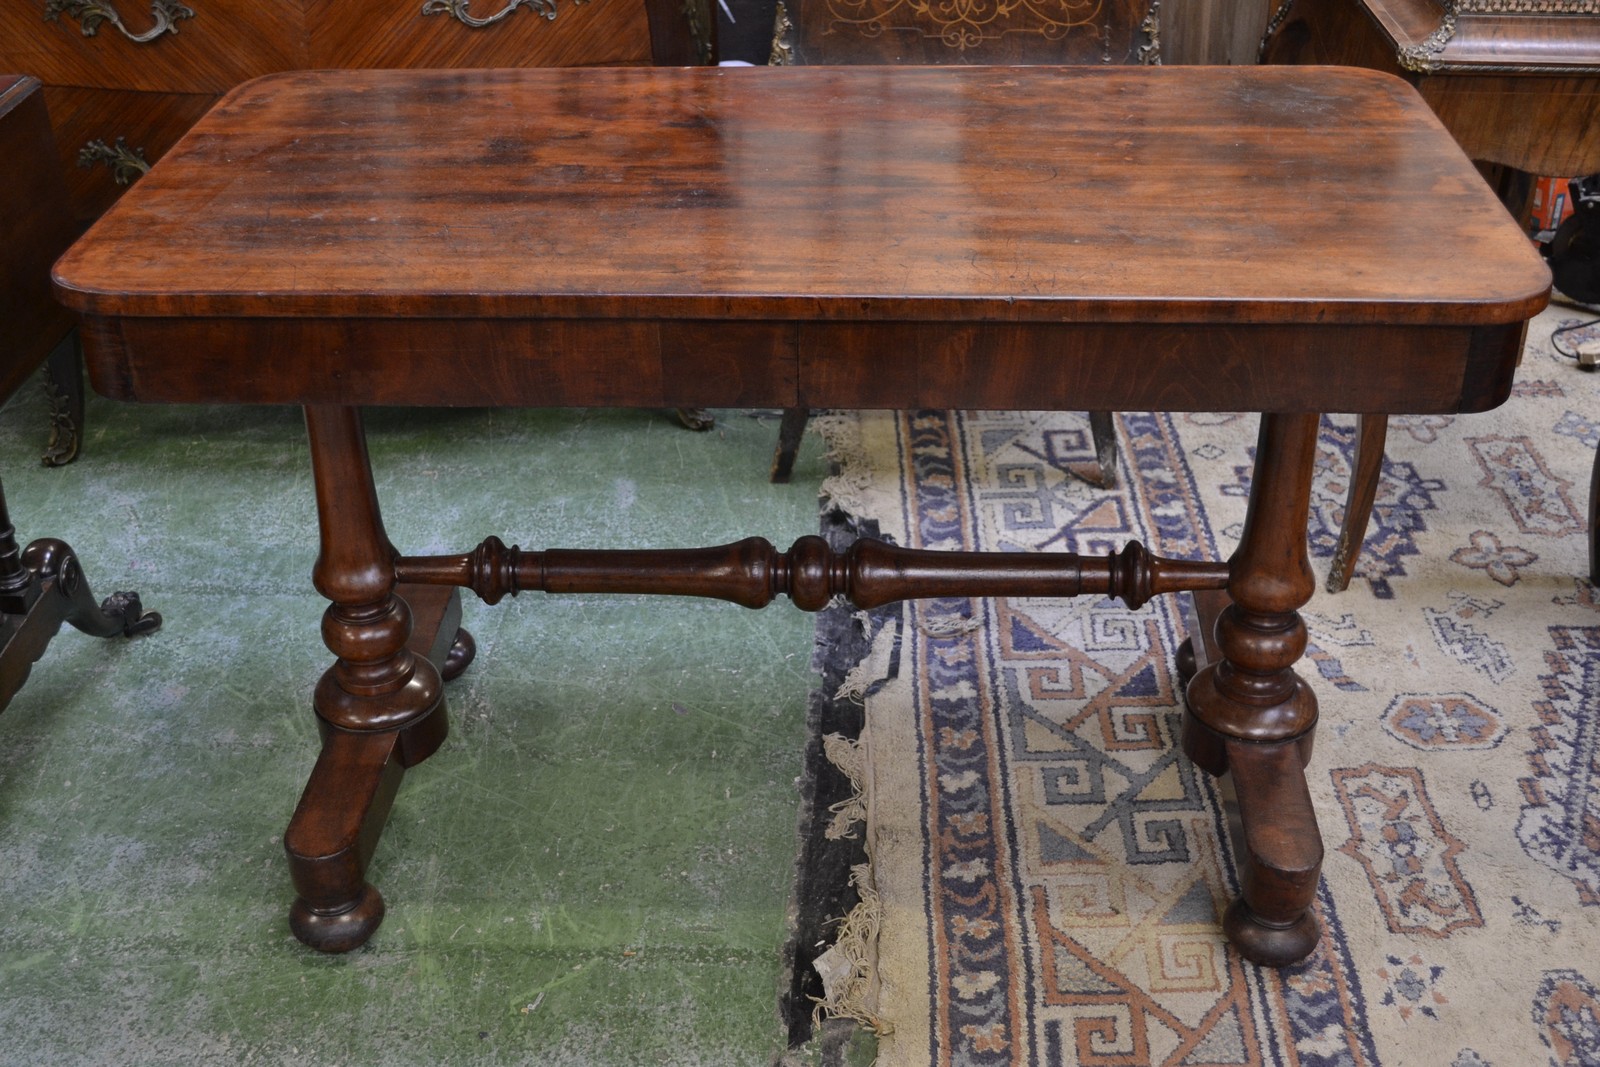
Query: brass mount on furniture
column 91, row 13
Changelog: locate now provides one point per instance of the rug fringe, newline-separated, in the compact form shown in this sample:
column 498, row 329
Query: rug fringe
column 874, row 667
column 848, row 968
column 850, row 757
column 846, row 488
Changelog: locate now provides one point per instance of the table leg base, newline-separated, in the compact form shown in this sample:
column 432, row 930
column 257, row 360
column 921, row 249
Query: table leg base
column 335, row 831
column 1272, row 922
column 346, row 802
column 1265, row 943
column 338, row 931
column 463, row 650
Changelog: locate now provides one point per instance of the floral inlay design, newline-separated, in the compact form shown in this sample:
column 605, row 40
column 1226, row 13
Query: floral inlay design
column 964, row 24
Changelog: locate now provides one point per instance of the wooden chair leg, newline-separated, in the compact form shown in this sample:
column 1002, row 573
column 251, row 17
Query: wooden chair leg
column 1103, row 429
column 1594, row 527
column 1371, row 432
column 790, row 431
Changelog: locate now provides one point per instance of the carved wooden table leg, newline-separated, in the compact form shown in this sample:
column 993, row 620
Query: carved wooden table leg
column 380, row 707
column 1251, row 714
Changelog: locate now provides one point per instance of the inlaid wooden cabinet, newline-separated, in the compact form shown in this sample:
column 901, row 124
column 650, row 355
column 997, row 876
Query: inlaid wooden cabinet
column 125, row 78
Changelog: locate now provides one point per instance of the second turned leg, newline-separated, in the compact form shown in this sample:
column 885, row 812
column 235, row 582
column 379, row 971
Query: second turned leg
column 1250, row 713
column 380, row 707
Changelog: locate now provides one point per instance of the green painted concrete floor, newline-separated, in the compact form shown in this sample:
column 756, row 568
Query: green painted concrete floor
column 596, row 867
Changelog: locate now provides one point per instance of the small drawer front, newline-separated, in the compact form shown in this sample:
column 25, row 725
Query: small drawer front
column 133, row 128
column 442, row 33
column 185, row 46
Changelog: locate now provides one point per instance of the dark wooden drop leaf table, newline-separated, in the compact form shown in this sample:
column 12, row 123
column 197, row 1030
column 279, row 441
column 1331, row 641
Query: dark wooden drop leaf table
column 812, row 237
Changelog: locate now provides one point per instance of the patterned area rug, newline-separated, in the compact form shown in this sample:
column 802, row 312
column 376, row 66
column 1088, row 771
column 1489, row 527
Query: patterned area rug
column 1051, row 872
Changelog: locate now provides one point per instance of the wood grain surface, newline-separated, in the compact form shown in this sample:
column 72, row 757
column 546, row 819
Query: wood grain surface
column 1205, row 195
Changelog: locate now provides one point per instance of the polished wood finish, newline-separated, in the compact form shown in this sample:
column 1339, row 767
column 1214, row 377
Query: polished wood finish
column 662, row 194
column 591, row 33
column 42, row 585
column 146, row 124
column 380, row 706
column 1226, row 32
column 1516, row 89
column 225, row 43
column 891, row 32
column 939, row 241
column 753, row 573
column 1252, row 701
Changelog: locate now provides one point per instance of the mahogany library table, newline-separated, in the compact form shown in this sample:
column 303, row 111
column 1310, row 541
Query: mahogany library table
column 1184, row 239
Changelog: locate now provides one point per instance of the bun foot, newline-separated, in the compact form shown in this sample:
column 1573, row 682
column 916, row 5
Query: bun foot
column 1267, row 944
column 341, row 930
column 463, row 650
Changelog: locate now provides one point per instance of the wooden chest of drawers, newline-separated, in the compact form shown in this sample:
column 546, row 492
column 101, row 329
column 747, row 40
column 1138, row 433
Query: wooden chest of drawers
column 125, row 78
column 33, row 231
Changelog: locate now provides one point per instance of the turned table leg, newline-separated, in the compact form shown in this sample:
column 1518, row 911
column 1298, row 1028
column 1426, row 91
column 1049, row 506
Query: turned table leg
column 380, row 707
column 1251, row 714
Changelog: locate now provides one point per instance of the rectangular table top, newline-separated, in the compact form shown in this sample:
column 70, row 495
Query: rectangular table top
column 1162, row 195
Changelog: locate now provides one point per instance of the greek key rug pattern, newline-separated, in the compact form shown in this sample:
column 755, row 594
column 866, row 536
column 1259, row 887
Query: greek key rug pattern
column 1073, row 867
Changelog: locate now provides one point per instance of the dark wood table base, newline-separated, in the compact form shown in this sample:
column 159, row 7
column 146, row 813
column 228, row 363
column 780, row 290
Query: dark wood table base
column 393, row 624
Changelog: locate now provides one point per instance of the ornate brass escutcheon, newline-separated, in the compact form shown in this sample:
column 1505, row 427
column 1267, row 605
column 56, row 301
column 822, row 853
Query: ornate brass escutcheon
column 91, row 13
column 126, row 163
column 457, row 9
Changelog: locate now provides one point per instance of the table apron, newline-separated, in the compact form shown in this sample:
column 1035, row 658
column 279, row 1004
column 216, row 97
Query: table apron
column 700, row 363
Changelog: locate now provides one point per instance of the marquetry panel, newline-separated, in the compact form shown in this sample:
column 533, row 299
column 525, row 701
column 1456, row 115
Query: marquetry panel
column 397, row 33
column 138, row 96
column 147, row 124
column 223, row 43
column 968, row 31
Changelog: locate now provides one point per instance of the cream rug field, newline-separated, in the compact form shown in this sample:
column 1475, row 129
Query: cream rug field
column 1051, row 872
